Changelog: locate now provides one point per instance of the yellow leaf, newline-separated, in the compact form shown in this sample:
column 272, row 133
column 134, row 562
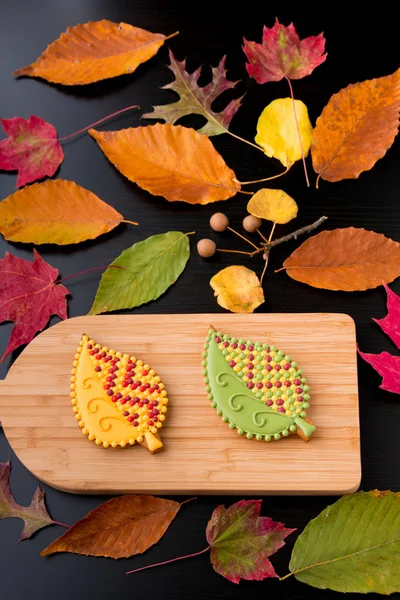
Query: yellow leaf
column 273, row 205
column 171, row 161
column 277, row 132
column 237, row 289
column 56, row 212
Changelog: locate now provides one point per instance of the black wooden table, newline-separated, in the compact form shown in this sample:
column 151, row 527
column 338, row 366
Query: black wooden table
column 357, row 50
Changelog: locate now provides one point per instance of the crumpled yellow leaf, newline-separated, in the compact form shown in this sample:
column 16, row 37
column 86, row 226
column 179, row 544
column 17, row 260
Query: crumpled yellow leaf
column 237, row 289
column 277, row 131
column 273, row 205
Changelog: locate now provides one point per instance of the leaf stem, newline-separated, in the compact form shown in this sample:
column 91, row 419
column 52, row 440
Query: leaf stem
column 266, row 178
column 248, row 193
column 266, row 255
column 118, row 112
column 285, row 576
column 89, row 271
column 243, row 140
column 238, row 251
column 298, row 130
column 243, row 237
column 130, row 222
column 263, row 236
column 61, row 524
column 168, row 37
column 296, row 233
column 189, row 500
column 167, row 562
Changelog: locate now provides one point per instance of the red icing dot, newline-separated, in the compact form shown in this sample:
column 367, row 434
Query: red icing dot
column 218, row 340
column 98, row 369
column 250, row 375
column 129, row 367
column 268, row 358
column 147, row 385
column 145, row 401
column 269, row 403
column 155, row 419
column 145, row 373
column 259, row 385
column 268, row 368
column 251, row 348
column 281, row 409
column 232, row 363
column 130, row 419
column 243, row 346
column 269, row 385
column 119, row 395
column 250, row 385
column 155, row 403
column 142, row 388
column 107, row 386
column 110, row 393
column 234, row 345
column 297, row 382
column 279, row 402
column 151, row 423
column 278, row 384
column 98, row 356
column 250, row 366
column 125, row 413
column 287, row 366
column 92, row 352
column 124, row 401
column 278, row 367
column 103, row 355
column 129, row 381
column 135, row 423
column 226, row 344
column 156, row 387
column 299, row 398
column 140, row 404
column 251, row 356
column 156, row 411
column 135, row 416
column 89, row 346
column 299, row 390
column 287, row 383
column 114, row 399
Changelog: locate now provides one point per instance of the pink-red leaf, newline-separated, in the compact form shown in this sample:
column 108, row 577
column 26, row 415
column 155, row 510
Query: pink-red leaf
column 391, row 323
column 241, row 541
column 194, row 99
column 28, row 297
column 31, row 148
column 35, row 516
column 282, row 54
column 388, row 366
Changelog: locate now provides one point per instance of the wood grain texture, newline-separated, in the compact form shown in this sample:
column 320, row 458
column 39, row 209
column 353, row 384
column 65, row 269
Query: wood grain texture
column 201, row 454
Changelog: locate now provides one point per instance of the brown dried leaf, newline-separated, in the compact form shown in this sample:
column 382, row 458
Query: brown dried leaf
column 119, row 528
column 171, row 161
column 356, row 128
column 349, row 259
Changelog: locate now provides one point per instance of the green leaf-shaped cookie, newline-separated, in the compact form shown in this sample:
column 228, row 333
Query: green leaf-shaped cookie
column 258, row 390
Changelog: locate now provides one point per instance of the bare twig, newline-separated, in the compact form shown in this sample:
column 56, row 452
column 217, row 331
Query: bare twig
column 295, row 234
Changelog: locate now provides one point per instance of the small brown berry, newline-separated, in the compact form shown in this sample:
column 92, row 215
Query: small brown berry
column 219, row 222
column 251, row 223
column 206, row 247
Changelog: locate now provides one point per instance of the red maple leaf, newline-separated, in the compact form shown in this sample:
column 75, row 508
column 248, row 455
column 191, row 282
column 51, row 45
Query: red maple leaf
column 28, row 297
column 386, row 364
column 32, row 148
column 241, row 541
column 282, row 54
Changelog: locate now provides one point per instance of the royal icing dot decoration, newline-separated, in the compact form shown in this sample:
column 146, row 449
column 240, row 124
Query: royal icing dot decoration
column 256, row 388
column 117, row 399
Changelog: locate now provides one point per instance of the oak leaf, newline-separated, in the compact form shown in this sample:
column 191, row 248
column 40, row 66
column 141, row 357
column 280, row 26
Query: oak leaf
column 94, row 51
column 35, row 516
column 282, row 54
column 29, row 295
column 349, row 259
column 238, row 289
column 55, row 212
column 171, row 161
column 356, row 128
column 194, row 99
column 273, row 205
column 352, row 545
column 31, row 148
column 119, row 528
column 387, row 365
column 142, row 272
column 277, row 131
column 241, row 541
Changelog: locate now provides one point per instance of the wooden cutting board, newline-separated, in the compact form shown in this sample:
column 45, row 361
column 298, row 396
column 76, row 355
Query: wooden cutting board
column 201, row 455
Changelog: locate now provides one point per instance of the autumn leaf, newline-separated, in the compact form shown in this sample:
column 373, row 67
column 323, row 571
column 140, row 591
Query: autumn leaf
column 31, row 148
column 56, row 212
column 194, row 99
column 28, row 297
column 146, row 270
column 241, row 541
column 387, row 365
column 352, row 546
column 356, row 128
column 272, row 205
column 277, row 130
column 171, row 161
column 119, row 528
column 282, row 54
column 94, row 51
column 35, row 516
column 237, row 289
column 349, row 259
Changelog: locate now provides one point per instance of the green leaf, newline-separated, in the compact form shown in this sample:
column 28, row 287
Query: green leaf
column 352, row 546
column 147, row 269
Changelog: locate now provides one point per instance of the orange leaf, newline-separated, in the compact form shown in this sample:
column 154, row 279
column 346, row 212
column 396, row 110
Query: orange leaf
column 93, row 51
column 356, row 128
column 56, row 212
column 171, row 161
column 119, row 528
column 347, row 259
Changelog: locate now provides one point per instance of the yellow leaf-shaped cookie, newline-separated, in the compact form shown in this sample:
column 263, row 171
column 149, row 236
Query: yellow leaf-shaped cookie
column 237, row 289
column 117, row 400
column 277, row 132
column 273, row 205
